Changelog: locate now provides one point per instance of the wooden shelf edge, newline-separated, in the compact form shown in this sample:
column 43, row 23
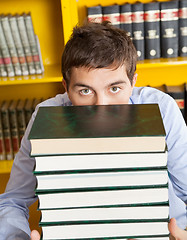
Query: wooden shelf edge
column 5, row 166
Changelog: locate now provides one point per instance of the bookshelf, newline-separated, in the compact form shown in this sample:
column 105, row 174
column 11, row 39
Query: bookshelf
column 53, row 22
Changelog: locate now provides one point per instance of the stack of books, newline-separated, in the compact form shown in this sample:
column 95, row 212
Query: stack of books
column 157, row 29
column 20, row 53
column 101, row 172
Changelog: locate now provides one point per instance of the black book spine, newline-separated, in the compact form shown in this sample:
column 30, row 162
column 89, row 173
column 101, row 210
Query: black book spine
column 152, row 30
column 126, row 18
column 112, row 14
column 138, row 29
column 95, row 14
column 169, row 29
column 183, row 28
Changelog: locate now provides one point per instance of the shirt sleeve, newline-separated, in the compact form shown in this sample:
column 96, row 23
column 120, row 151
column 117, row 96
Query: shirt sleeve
column 176, row 139
column 19, row 193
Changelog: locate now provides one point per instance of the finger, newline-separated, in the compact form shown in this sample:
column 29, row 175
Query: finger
column 35, row 235
column 175, row 231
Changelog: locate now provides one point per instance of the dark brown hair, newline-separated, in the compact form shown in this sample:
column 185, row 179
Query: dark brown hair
column 98, row 45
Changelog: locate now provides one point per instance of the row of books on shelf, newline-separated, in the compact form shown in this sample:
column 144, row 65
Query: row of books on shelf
column 179, row 93
column 158, row 29
column 20, row 53
column 97, row 179
column 14, row 117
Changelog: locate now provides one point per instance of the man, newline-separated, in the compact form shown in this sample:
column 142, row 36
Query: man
column 98, row 67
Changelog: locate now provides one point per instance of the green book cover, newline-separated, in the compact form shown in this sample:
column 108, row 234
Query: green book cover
column 103, row 129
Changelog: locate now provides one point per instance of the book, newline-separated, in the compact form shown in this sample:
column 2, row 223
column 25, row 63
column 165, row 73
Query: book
column 100, row 162
column 2, row 145
column 11, row 45
column 91, row 129
column 112, row 14
column 169, row 29
column 5, row 53
column 178, row 93
column 14, row 126
column 33, row 43
column 112, row 197
column 138, row 29
column 21, row 118
column 25, row 43
column 105, row 213
column 100, row 180
column 28, row 110
column 182, row 28
column 106, row 231
column 95, row 14
column 126, row 18
column 152, row 30
column 3, row 72
column 6, row 130
column 18, row 45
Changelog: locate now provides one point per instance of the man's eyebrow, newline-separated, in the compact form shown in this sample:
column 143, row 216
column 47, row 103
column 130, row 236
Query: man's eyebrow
column 81, row 85
column 117, row 82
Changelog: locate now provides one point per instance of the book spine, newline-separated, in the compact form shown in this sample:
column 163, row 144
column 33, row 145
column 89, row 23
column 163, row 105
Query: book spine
column 112, row 14
column 18, row 45
column 126, row 18
column 14, row 129
column 11, row 45
column 183, row 28
column 5, row 53
column 7, row 134
column 33, row 43
column 25, row 42
column 138, row 29
column 2, row 145
column 21, row 121
column 152, row 30
column 95, row 14
column 28, row 110
column 3, row 72
column 169, row 29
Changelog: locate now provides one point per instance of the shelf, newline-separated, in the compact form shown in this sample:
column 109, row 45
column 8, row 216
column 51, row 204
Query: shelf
column 51, row 74
column 162, row 62
column 5, row 166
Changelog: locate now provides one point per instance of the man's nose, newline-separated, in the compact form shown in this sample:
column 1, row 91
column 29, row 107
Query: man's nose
column 101, row 100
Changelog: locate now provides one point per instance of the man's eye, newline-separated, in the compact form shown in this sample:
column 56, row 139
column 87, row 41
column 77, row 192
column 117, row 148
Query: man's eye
column 85, row 91
column 114, row 89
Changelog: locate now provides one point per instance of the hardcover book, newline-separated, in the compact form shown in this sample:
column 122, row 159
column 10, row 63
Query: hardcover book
column 152, row 30
column 169, row 29
column 97, row 129
column 5, row 53
column 25, row 42
column 182, row 28
column 33, row 43
column 126, row 18
column 11, row 45
column 101, row 180
column 18, row 45
column 95, row 14
column 112, row 14
column 99, row 162
column 138, row 29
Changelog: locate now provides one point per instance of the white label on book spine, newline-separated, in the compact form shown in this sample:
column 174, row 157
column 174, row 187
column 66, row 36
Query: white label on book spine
column 152, row 16
column 169, row 14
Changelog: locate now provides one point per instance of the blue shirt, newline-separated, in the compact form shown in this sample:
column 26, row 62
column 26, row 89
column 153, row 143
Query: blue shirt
column 19, row 193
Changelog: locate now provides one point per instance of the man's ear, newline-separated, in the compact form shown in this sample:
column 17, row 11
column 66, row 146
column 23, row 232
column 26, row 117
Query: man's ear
column 64, row 84
column 134, row 79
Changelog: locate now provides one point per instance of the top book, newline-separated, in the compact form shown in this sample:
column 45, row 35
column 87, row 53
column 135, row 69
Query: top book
column 97, row 129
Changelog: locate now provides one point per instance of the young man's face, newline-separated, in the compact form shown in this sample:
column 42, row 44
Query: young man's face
column 102, row 86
